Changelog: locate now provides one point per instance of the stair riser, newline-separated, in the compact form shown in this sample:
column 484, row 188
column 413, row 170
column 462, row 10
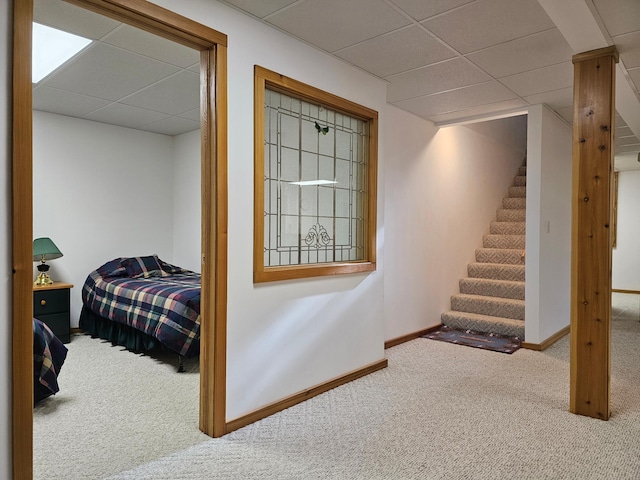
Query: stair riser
column 514, row 203
column 476, row 286
column 504, row 241
column 515, row 328
column 522, row 170
column 507, row 228
column 518, row 192
column 520, row 181
column 482, row 306
column 502, row 256
column 509, row 215
column 514, row 273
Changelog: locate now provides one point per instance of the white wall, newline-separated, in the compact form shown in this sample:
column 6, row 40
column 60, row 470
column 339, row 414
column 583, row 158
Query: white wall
column 442, row 187
column 548, row 261
column 626, row 256
column 5, row 239
column 288, row 336
column 100, row 192
column 187, row 201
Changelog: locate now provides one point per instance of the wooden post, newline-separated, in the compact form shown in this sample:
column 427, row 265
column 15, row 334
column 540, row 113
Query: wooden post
column 593, row 126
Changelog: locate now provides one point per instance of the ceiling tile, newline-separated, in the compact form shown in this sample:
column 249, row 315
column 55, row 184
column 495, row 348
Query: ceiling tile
column 446, row 75
column 108, row 72
column 144, row 43
column 192, row 115
column 65, row 103
column 619, row 16
column 173, row 126
column 492, row 108
column 396, row 52
column 72, row 19
column 454, row 100
column 421, row 10
column 174, row 95
column 524, row 54
column 629, row 48
column 336, row 24
column 540, row 80
column 634, row 73
column 125, row 115
column 554, row 99
column 488, row 22
column 262, row 8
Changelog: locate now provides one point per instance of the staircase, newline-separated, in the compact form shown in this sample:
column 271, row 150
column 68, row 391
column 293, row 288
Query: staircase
column 491, row 298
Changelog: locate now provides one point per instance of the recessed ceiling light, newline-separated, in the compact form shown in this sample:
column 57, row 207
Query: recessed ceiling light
column 51, row 48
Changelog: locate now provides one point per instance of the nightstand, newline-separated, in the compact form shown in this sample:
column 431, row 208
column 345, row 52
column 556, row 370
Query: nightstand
column 51, row 305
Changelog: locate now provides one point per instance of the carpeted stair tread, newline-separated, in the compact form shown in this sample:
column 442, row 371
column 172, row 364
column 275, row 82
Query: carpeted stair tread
column 511, row 215
column 519, row 192
column 500, row 255
column 504, row 241
column 520, row 181
column 492, row 288
column 484, row 323
column 496, row 271
column 507, row 228
column 514, row 203
column 493, row 306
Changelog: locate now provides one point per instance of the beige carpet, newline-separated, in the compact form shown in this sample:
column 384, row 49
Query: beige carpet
column 440, row 411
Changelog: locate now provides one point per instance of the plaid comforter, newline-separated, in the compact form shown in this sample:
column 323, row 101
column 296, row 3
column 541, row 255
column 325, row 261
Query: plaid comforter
column 166, row 308
column 49, row 353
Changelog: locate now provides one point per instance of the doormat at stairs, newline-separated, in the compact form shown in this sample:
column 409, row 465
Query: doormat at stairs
column 486, row 341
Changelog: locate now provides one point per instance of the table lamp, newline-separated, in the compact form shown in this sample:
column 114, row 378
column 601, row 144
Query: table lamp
column 44, row 249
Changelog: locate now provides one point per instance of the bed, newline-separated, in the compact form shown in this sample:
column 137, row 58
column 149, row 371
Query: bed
column 49, row 354
column 143, row 303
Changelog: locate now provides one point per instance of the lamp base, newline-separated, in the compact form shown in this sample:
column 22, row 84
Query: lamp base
column 43, row 280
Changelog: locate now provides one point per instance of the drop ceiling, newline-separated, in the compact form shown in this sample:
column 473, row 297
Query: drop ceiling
column 443, row 60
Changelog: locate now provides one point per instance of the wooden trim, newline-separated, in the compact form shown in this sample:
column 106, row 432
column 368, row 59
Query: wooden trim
column 53, row 286
column 157, row 20
column 167, row 24
column 593, row 149
column 548, row 342
column 625, row 291
column 22, row 238
column 264, row 79
column 410, row 336
column 304, row 395
column 614, row 211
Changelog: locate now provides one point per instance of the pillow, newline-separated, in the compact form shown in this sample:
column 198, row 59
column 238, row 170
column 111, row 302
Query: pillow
column 113, row 268
column 143, row 267
column 172, row 269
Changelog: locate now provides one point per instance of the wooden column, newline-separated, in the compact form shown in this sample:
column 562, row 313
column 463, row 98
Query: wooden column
column 593, row 126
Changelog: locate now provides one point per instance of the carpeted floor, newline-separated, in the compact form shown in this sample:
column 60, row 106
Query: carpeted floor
column 439, row 411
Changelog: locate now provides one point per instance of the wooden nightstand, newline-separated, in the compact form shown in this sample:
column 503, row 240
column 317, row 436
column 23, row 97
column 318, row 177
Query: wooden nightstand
column 51, row 304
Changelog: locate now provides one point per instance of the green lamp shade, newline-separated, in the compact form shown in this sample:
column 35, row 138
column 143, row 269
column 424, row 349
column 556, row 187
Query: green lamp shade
column 44, row 249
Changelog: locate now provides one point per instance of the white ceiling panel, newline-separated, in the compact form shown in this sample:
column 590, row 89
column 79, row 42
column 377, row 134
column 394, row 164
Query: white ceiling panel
column 396, row 52
column 174, row 95
column 524, row 54
column 555, row 98
column 72, row 19
column 145, row 43
column 336, row 24
column 485, row 23
column 460, row 99
column 260, row 8
column 629, row 48
column 65, row 103
column 421, row 9
column 172, row 126
column 125, row 115
column 442, row 76
column 540, row 80
column 193, row 115
column 480, row 110
column 619, row 16
column 109, row 73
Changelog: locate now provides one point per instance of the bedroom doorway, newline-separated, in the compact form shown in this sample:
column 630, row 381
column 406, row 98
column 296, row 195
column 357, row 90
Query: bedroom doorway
column 213, row 117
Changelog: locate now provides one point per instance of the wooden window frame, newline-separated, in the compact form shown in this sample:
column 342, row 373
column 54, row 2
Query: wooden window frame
column 267, row 79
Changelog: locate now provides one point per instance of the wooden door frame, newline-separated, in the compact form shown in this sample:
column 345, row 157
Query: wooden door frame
column 213, row 120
